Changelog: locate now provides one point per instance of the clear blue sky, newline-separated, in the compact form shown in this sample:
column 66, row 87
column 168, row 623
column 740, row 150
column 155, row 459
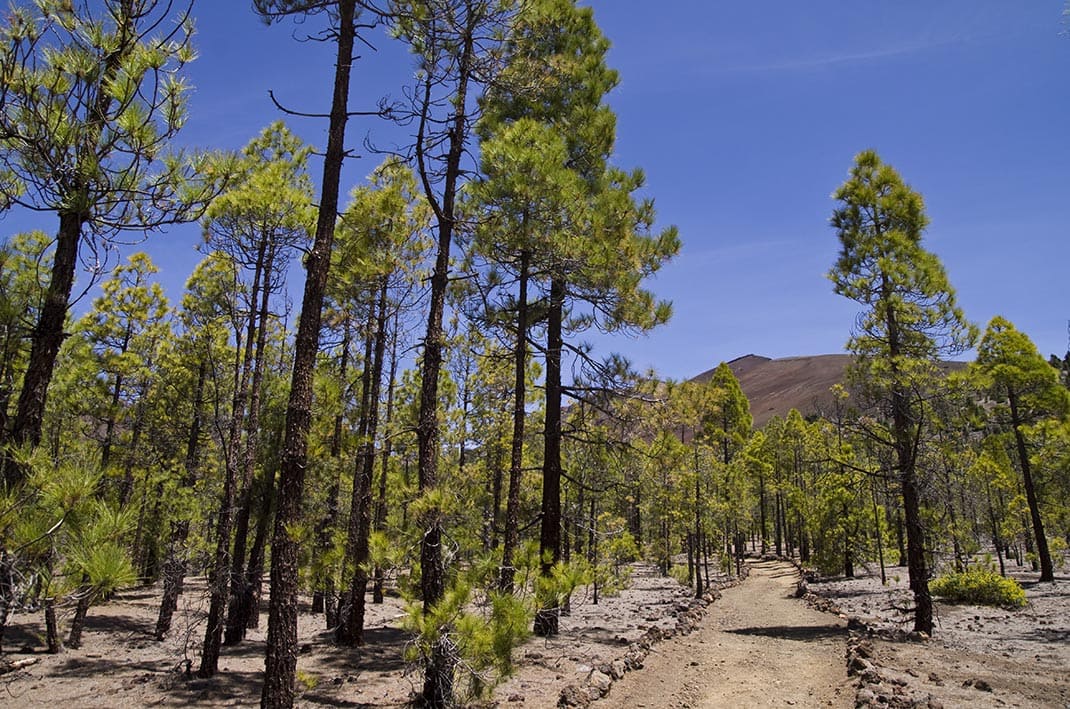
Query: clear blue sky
column 746, row 117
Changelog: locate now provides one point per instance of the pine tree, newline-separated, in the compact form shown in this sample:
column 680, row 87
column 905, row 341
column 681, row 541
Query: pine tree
column 1025, row 390
column 910, row 321
column 281, row 661
column 91, row 107
column 458, row 45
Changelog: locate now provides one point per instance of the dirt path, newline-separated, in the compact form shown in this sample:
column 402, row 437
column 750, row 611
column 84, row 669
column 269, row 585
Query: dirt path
column 758, row 647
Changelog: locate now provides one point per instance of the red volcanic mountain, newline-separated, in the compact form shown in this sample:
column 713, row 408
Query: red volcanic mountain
column 775, row 386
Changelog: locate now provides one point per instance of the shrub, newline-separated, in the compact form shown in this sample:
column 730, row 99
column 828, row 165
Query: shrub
column 979, row 586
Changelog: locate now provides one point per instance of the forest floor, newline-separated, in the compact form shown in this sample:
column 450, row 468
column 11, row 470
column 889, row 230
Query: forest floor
column 756, row 645
column 978, row 656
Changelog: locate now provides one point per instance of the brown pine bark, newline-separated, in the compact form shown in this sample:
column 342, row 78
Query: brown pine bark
column 281, row 658
column 546, row 617
column 240, row 607
column 351, row 628
column 516, row 454
column 1047, row 569
column 174, row 568
column 381, row 500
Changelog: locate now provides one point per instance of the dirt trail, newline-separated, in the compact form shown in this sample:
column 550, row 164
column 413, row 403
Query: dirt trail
column 758, row 646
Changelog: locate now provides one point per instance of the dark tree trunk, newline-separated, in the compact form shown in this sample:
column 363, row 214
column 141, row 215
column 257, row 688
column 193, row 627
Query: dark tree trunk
column 1047, row 570
column 380, row 502
column 900, row 539
column 440, row 662
column 546, row 617
column 698, row 522
column 174, row 568
column 222, row 576
column 516, row 451
column 877, row 533
column 255, row 570
column 779, row 519
column 45, row 342
column 905, row 437
column 280, row 665
column 492, row 514
column 52, row 639
column 241, row 592
column 324, row 599
column 7, row 592
column 761, row 509
column 81, row 609
column 351, row 628
column 109, row 427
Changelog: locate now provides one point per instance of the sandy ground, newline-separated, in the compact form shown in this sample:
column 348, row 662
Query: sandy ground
column 759, row 646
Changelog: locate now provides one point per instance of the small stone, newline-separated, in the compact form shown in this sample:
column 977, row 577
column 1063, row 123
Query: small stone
column 573, row 696
column 600, row 681
column 857, row 666
column 515, row 699
column 981, row 685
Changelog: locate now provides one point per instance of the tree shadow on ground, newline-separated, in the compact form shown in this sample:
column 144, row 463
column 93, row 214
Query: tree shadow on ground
column 383, row 651
column 804, row 633
column 831, row 593
column 1046, row 635
column 84, row 666
column 602, row 636
column 129, row 624
column 224, row 686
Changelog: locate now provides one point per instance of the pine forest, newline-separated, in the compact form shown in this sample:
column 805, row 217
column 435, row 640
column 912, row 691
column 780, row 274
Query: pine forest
column 380, row 449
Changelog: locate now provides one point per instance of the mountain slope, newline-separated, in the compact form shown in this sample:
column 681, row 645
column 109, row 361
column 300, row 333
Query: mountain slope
column 775, row 386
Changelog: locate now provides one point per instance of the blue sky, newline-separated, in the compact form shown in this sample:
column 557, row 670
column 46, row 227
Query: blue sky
column 745, row 117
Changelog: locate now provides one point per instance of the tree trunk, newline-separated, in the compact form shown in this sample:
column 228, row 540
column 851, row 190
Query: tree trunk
column 698, row 522
column 46, row 339
column 222, row 576
column 351, row 629
column 7, row 592
column 516, row 451
column 877, row 532
column 81, row 609
column 439, row 663
column 174, row 568
column 241, row 592
column 380, row 502
column 1047, row 570
column 761, row 509
column 109, row 426
column 52, row 639
column 324, row 599
column 546, row 616
column 280, row 665
column 255, row 570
